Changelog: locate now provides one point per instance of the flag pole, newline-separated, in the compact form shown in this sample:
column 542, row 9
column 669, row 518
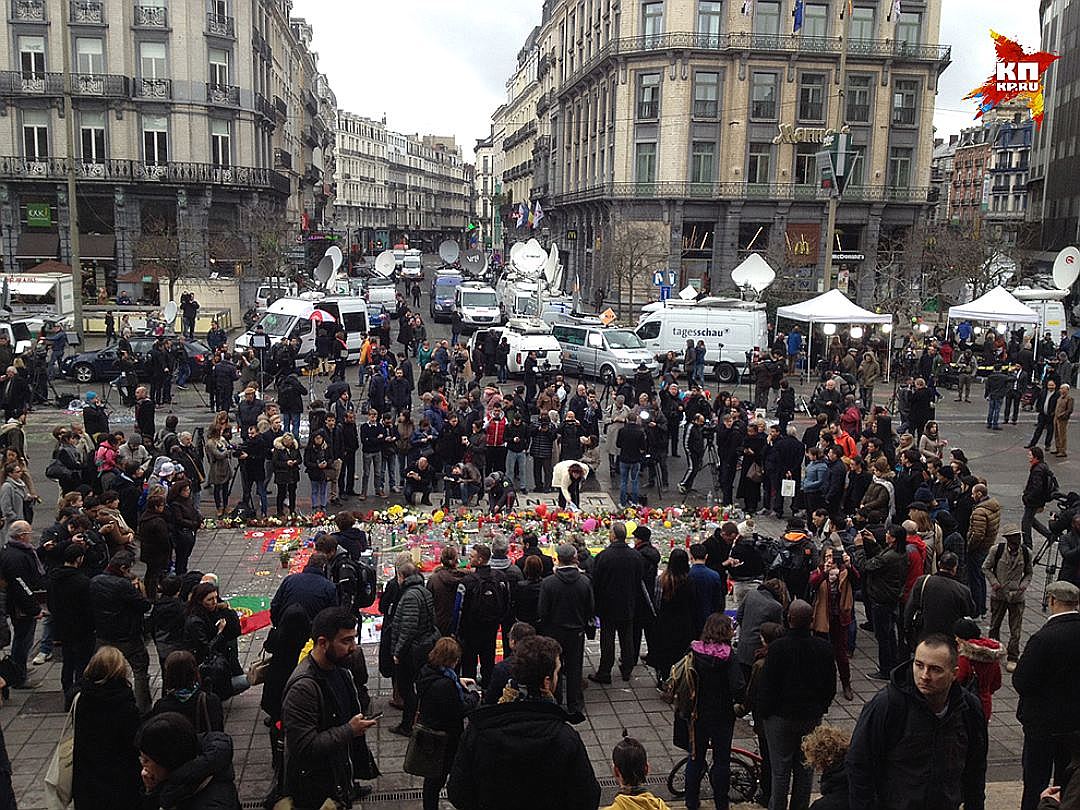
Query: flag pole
column 840, row 114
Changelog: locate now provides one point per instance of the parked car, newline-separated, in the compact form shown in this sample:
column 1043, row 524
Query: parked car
column 88, row 367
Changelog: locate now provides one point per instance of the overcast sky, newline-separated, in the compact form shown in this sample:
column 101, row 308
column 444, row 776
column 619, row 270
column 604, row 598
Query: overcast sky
column 437, row 67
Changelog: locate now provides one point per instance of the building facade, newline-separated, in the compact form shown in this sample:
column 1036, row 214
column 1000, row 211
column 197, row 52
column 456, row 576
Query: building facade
column 182, row 116
column 706, row 121
column 523, row 127
column 430, row 192
column 970, row 195
column 941, row 178
column 362, row 203
column 1009, row 166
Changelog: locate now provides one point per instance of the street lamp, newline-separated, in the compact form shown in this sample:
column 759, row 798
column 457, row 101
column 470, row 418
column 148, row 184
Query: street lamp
column 829, row 329
column 886, row 328
column 856, row 332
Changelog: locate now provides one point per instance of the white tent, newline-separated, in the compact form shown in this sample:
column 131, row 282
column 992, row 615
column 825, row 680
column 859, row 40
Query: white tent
column 998, row 305
column 831, row 307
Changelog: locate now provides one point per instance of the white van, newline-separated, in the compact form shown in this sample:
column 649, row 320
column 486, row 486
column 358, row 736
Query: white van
column 600, row 351
column 291, row 317
column 730, row 328
column 518, row 297
column 524, row 335
column 412, row 269
column 477, row 304
column 380, row 293
column 271, row 290
column 1050, row 305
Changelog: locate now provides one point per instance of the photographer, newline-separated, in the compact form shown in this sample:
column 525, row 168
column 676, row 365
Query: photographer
column 462, row 482
column 832, row 585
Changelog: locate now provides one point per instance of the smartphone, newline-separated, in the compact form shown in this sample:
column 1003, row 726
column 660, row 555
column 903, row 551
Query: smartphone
column 375, row 716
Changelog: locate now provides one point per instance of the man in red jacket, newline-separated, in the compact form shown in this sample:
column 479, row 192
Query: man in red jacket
column 495, row 428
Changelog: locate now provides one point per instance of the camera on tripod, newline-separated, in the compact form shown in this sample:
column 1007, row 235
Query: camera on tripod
column 1060, row 522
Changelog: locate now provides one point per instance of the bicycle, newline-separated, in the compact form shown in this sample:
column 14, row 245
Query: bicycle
column 745, row 770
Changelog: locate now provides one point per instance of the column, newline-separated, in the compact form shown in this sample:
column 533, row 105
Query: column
column 726, row 249
column 675, row 239
column 9, row 227
column 63, row 214
column 867, row 284
column 193, row 228
column 128, row 225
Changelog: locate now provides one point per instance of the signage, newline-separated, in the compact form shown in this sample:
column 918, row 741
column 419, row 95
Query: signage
column 802, row 243
column 665, row 278
column 1018, row 76
column 789, row 133
column 607, row 316
column 665, row 293
column 848, row 257
column 843, row 281
column 38, row 215
column 571, row 236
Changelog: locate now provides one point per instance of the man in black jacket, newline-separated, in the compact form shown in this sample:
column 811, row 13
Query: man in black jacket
column 487, row 768
column 798, row 682
column 483, row 609
column 119, row 604
column 921, row 741
column 72, row 615
column 565, row 613
column 1045, row 680
column 694, row 447
column 632, row 444
column 25, row 577
column 646, row 610
column 616, row 582
column 1046, row 404
column 291, row 393
column 145, row 414
column 1036, row 495
column 936, row 601
column 785, row 462
column 884, row 570
column 310, row 588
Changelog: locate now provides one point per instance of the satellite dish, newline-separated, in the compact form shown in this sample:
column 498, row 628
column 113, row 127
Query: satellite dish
column 551, row 265
column 449, row 250
column 324, row 271
column 385, row 264
column 531, row 258
column 333, row 253
column 753, row 272
column 688, row 293
column 169, row 314
column 475, row 261
column 1066, row 268
column 515, row 251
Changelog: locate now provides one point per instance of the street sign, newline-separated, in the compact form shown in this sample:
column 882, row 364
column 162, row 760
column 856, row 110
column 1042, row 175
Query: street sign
column 658, row 278
column 296, row 254
column 607, row 316
column 665, row 278
column 665, row 293
column 836, row 163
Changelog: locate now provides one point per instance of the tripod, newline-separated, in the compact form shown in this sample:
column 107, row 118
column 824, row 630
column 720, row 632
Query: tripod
column 1048, row 549
column 711, row 461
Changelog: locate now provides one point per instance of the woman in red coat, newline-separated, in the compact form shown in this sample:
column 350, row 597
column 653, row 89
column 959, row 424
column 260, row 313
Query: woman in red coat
column 979, row 664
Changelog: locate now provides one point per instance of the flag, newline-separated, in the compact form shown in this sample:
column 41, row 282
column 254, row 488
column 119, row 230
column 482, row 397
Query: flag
column 521, row 215
column 798, row 15
column 538, row 214
column 848, row 5
column 748, row 7
column 529, row 216
column 894, row 11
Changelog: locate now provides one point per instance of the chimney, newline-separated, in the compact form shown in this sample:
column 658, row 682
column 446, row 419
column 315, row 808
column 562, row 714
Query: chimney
column 953, row 139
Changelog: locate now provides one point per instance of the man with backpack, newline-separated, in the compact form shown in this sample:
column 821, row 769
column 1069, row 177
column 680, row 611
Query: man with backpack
column 1008, row 570
column 485, row 604
column 1041, row 484
column 353, row 580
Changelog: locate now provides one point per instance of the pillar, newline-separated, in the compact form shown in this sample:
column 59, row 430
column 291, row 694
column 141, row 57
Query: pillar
column 726, row 249
column 866, row 289
column 9, row 227
column 128, row 220
column 63, row 220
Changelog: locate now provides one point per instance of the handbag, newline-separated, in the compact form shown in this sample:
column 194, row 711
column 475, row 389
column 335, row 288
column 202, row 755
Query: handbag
column 426, row 754
column 257, row 669
column 755, row 473
column 58, row 778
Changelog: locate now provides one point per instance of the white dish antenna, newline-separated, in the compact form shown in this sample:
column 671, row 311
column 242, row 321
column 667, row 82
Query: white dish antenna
column 325, row 272
column 516, row 250
column 475, row 261
column 551, row 266
column 753, row 272
column 385, row 264
column 169, row 313
column 532, row 258
column 1066, row 268
column 688, row 293
column 335, row 255
column 449, row 251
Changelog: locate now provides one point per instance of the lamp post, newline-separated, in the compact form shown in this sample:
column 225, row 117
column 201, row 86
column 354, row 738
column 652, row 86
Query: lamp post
column 834, row 193
column 73, row 202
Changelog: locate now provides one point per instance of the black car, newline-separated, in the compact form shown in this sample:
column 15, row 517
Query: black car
column 101, row 365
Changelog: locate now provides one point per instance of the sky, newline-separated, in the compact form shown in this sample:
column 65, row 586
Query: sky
column 436, row 67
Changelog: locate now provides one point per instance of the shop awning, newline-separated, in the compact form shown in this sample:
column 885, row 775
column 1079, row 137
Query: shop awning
column 97, row 247
column 37, row 246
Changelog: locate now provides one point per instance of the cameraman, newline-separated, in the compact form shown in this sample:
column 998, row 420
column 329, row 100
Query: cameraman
column 694, row 447
column 1069, row 546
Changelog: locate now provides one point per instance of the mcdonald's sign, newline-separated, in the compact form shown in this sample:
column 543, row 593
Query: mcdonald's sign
column 802, row 241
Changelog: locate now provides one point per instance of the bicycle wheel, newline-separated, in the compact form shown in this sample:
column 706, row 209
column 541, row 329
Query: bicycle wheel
column 744, row 779
column 676, row 779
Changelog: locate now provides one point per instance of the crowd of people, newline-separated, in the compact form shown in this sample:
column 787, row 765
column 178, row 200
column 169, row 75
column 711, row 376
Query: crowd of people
column 878, row 508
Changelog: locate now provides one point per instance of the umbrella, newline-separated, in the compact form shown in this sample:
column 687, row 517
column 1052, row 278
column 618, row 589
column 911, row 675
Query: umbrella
column 321, row 316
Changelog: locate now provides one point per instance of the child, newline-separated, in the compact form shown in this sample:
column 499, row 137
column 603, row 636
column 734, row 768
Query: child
column 979, row 667
column 824, row 749
column 630, row 764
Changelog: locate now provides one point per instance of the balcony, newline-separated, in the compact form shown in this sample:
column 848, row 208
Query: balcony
column 226, row 95
column 132, row 171
column 738, row 191
column 17, row 83
column 282, row 159
column 281, row 109
column 903, row 116
column 220, row 25
column 520, row 135
column 100, row 85
column 151, row 17
column 29, row 11
column 264, row 107
column 153, row 89
column 858, row 113
column 260, row 45
column 88, row 12
column 939, row 55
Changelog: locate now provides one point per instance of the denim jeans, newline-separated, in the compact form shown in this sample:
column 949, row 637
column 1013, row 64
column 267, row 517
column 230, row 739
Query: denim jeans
column 628, row 473
column 319, row 490
column 291, row 422
column 884, row 619
column 372, row 466
column 515, row 468
column 716, row 735
column 260, row 490
column 391, row 470
column 45, row 643
column 503, row 371
column 789, row 769
column 183, row 374
column 976, row 580
column 993, row 413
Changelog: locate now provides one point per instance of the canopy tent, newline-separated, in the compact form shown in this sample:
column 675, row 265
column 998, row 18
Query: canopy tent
column 831, row 307
column 997, row 305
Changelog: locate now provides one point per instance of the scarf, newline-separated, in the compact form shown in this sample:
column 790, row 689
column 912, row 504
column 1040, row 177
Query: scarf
column 885, row 482
column 33, row 553
column 186, row 693
column 453, row 676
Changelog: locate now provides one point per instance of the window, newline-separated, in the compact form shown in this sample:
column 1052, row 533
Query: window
column 652, row 23
column 155, row 140
column 905, row 93
column 706, row 94
column 806, row 163
column 862, row 22
column 32, row 57
column 219, row 68
column 812, row 97
column 858, row 99
column 709, row 16
column 220, row 143
column 648, row 106
column 647, row 331
column 36, row 134
column 815, row 20
column 89, row 56
column 908, row 27
column 221, row 8
column 645, row 163
column 760, row 164
column 703, row 162
column 766, row 17
column 763, row 96
column 92, row 137
column 152, row 60
column 900, row 167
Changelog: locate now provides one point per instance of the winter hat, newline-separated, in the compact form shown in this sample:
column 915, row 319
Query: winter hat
column 168, row 739
column 91, row 396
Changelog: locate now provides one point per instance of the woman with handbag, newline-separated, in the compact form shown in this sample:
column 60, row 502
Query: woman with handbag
column 445, row 699
column 182, row 693
column 673, row 630
column 210, row 635
column 753, row 468
column 105, row 763
column 185, row 519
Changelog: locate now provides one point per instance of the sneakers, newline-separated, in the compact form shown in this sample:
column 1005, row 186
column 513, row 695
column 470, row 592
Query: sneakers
column 41, row 658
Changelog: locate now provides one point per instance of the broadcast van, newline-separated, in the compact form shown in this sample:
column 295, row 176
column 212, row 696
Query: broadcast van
column 291, row 317
column 478, row 305
column 601, row 351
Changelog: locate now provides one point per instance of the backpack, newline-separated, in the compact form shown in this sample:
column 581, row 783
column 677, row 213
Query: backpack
column 1001, row 550
column 680, row 689
column 1051, row 484
column 355, row 582
column 491, row 601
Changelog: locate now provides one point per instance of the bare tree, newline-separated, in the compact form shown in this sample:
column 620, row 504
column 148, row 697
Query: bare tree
column 270, row 237
column 161, row 244
column 633, row 250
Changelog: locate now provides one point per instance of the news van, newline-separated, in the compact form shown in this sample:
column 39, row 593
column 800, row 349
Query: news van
column 730, row 328
column 291, row 317
column 1050, row 304
column 478, row 305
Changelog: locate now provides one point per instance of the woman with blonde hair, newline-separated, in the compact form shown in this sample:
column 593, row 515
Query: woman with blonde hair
column 105, row 767
column 824, row 749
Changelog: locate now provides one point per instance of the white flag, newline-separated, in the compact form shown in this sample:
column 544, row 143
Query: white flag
column 538, row 214
column 894, row 11
column 748, row 7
